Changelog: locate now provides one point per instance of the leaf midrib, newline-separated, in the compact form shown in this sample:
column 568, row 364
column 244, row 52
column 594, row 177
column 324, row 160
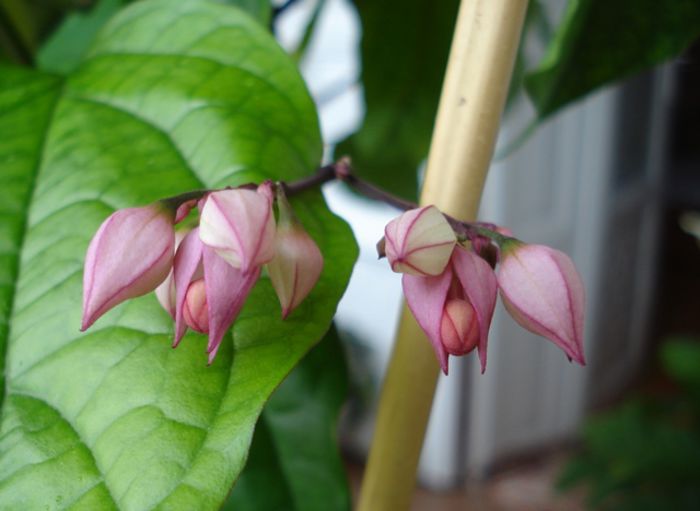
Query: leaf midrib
column 23, row 232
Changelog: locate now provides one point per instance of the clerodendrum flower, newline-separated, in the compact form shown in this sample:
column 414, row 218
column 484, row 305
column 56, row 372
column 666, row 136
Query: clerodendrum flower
column 129, row 256
column 204, row 278
column 455, row 308
column 540, row 286
column 240, row 226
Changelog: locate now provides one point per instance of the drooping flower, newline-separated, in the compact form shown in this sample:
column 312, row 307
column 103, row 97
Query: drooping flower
column 239, row 225
column 419, row 242
column 542, row 290
column 209, row 291
column 130, row 255
column 298, row 262
column 455, row 308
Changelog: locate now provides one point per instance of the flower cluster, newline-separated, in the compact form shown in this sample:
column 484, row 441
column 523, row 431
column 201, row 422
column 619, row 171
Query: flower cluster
column 201, row 276
column 452, row 290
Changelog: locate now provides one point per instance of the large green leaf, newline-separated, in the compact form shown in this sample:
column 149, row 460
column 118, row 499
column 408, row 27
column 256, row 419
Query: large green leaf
column 404, row 51
column 601, row 41
column 173, row 96
column 68, row 44
column 294, row 462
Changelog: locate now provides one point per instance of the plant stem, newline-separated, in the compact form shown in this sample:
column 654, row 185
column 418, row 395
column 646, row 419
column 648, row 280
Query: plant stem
column 323, row 175
column 476, row 83
column 342, row 170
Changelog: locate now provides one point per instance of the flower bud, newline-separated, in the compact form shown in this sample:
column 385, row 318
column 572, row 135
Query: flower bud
column 295, row 268
column 455, row 308
column 298, row 262
column 543, row 292
column 239, row 225
column 459, row 328
column 129, row 256
column 195, row 311
column 419, row 242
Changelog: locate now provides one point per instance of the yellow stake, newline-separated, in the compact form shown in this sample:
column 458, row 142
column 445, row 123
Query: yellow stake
column 483, row 50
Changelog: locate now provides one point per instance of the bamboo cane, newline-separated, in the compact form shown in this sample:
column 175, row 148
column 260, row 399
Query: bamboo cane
column 481, row 59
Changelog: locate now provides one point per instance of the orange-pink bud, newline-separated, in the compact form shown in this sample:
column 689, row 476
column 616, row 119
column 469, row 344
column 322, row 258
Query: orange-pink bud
column 460, row 327
column 195, row 311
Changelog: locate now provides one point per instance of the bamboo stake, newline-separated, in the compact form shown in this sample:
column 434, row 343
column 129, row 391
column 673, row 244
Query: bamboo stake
column 481, row 59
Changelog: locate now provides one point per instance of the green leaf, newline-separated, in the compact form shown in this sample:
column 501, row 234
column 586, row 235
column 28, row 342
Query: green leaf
column 173, row 96
column 536, row 25
column 601, row 41
column 681, row 360
column 294, row 462
column 404, row 52
column 66, row 47
column 259, row 9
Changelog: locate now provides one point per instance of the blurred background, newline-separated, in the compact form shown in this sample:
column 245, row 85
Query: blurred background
column 613, row 181
column 598, row 155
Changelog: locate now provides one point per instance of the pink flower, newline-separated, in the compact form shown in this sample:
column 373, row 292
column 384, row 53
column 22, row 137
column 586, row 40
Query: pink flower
column 298, row 262
column 240, row 226
column 455, row 308
column 459, row 328
column 226, row 290
column 419, row 242
column 130, row 254
column 542, row 290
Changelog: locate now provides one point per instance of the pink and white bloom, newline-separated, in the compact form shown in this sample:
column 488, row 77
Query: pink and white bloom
column 129, row 256
column 298, row 262
column 240, row 226
column 455, row 308
column 542, row 290
column 419, row 242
